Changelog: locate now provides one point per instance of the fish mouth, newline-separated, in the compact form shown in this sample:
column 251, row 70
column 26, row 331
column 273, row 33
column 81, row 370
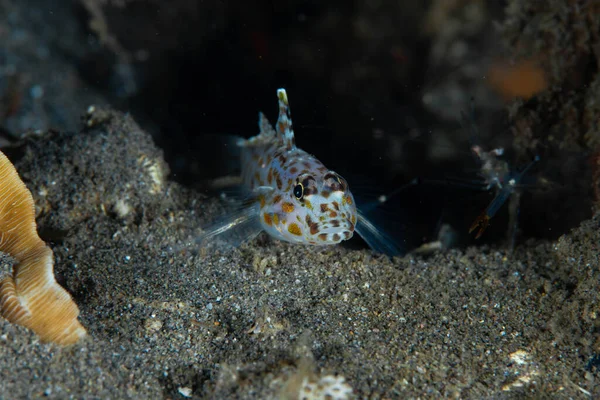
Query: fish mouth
column 338, row 234
column 334, row 232
column 348, row 234
column 338, row 227
column 351, row 225
column 345, row 232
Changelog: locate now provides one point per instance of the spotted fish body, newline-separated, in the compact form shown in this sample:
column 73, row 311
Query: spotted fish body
column 293, row 196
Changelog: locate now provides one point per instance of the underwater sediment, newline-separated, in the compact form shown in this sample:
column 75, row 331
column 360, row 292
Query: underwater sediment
column 270, row 319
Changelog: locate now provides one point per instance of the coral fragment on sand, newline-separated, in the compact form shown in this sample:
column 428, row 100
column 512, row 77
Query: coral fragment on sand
column 327, row 387
column 31, row 297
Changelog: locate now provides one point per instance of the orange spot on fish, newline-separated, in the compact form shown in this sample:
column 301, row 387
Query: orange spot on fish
column 314, row 228
column 287, row 207
column 268, row 219
column 294, row 229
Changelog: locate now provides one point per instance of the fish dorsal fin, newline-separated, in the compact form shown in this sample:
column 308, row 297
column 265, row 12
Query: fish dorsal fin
column 266, row 134
column 284, row 122
column 266, row 129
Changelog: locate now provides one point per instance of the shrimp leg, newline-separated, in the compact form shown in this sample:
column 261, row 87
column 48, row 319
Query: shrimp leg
column 483, row 220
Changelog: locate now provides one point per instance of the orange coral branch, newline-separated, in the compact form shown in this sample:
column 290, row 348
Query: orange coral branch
column 31, row 297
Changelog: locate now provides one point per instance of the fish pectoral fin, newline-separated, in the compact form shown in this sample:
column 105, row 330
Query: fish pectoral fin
column 233, row 227
column 240, row 223
column 376, row 238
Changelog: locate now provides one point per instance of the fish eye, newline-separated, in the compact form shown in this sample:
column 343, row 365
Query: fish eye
column 335, row 182
column 299, row 191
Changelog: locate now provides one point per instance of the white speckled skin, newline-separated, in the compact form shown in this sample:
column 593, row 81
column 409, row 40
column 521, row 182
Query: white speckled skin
column 300, row 200
column 292, row 195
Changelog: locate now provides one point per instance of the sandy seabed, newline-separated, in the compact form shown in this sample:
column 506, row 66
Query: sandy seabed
column 257, row 321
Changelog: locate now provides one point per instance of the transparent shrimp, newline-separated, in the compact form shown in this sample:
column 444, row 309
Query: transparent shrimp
column 503, row 192
column 497, row 175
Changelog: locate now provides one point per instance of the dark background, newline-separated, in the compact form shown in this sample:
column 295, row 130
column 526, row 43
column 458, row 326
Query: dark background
column 376, row 91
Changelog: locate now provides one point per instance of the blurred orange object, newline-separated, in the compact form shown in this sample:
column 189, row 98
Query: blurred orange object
column 523, row 79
